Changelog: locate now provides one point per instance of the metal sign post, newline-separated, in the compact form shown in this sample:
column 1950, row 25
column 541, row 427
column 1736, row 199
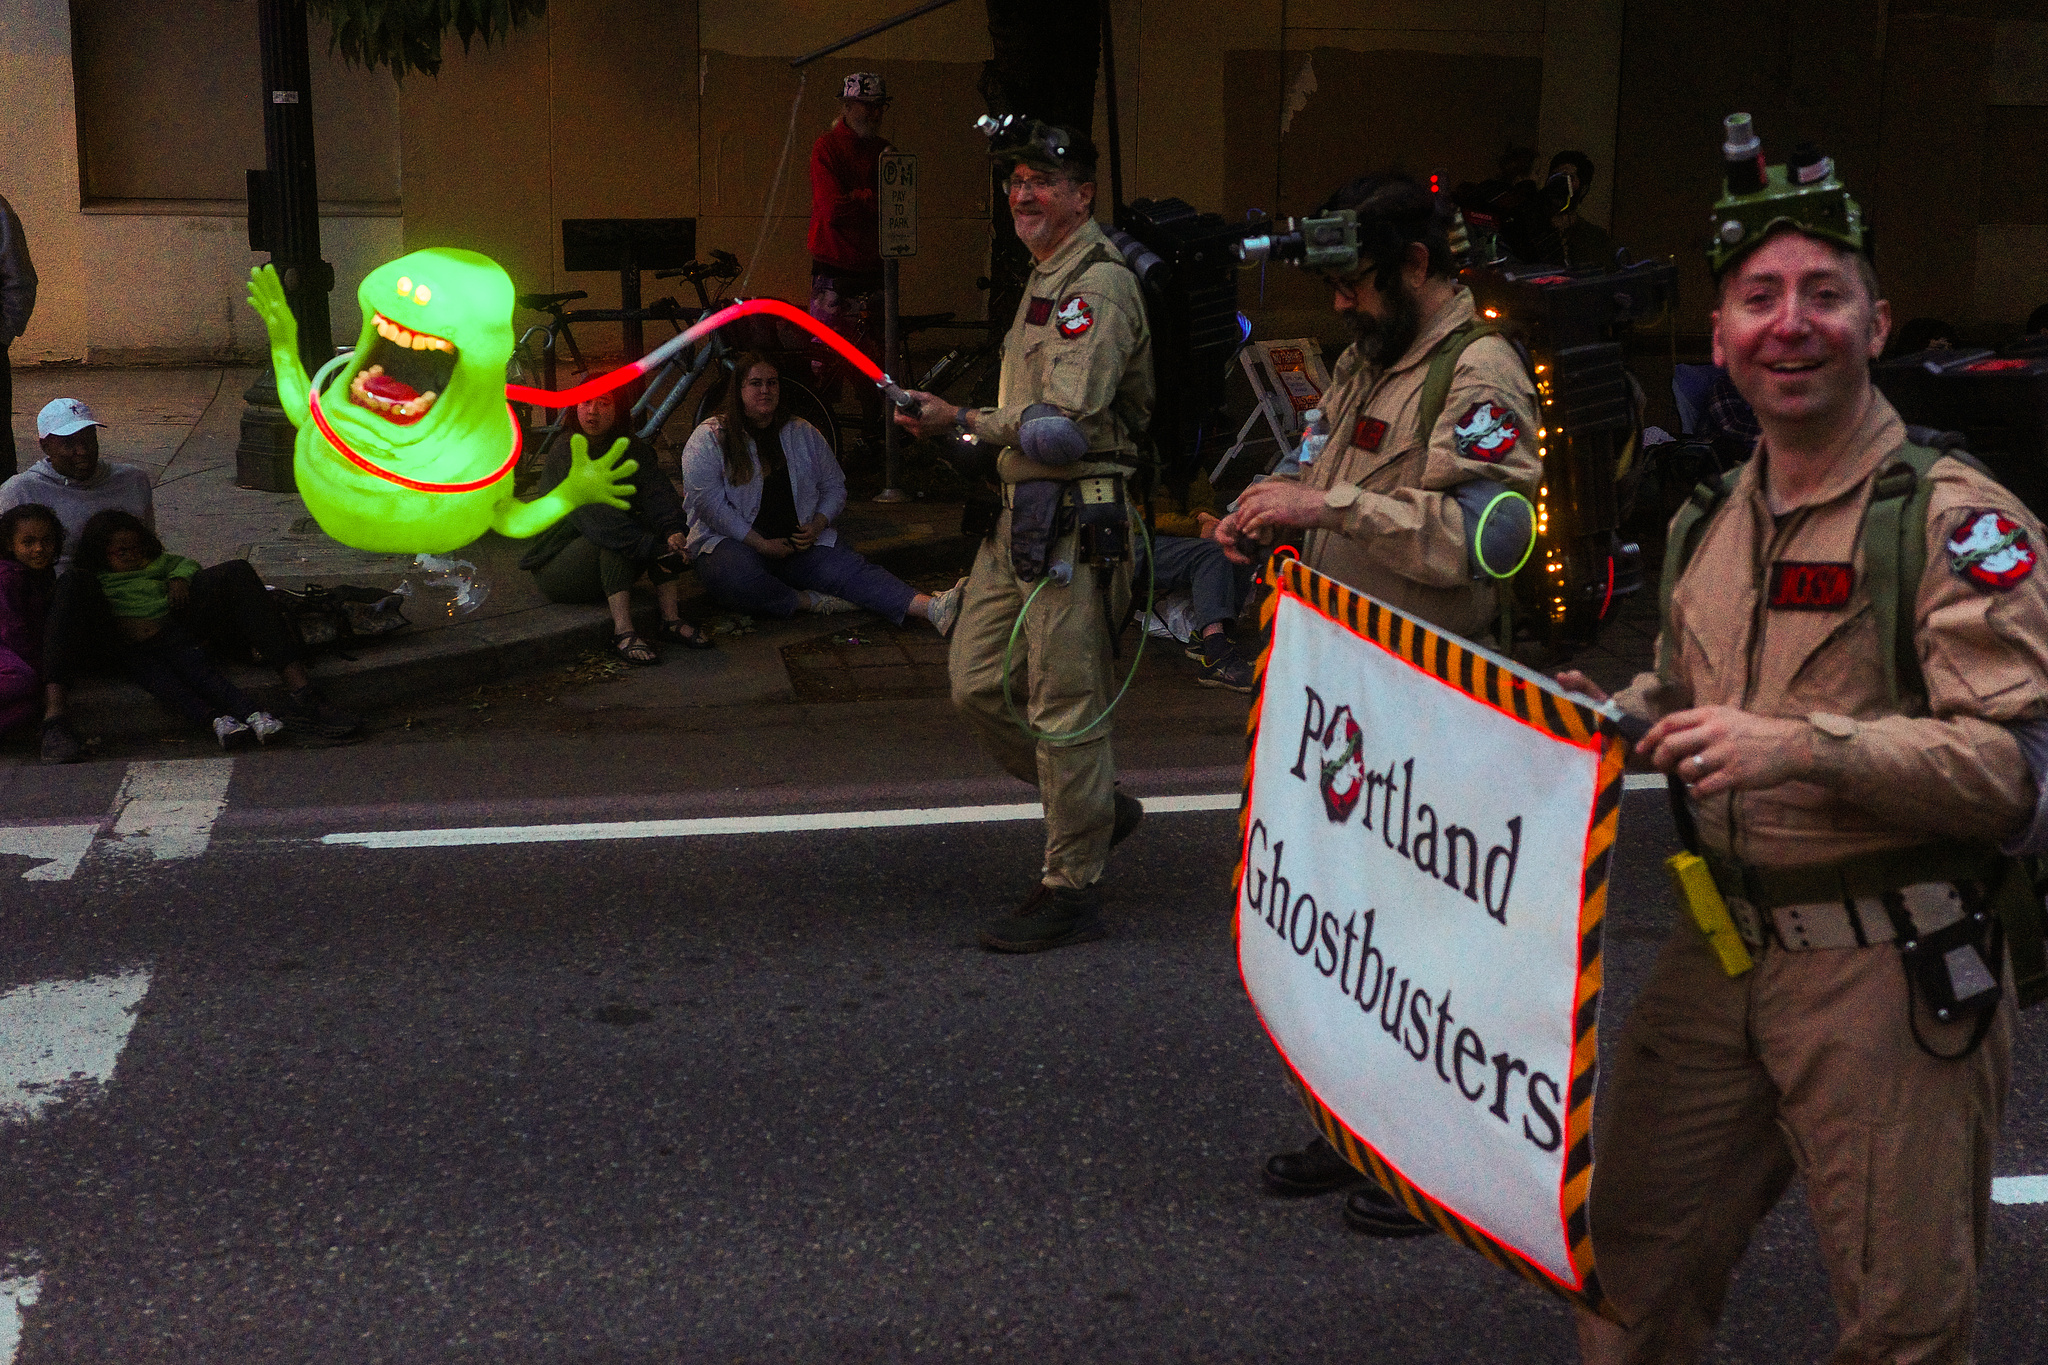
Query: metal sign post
column 896, row 203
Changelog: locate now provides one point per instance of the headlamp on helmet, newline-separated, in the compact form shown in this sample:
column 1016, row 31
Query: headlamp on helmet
column 1027, row 141
column 1756, row 199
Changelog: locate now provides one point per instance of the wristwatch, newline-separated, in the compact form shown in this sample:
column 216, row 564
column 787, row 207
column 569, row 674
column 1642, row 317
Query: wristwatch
column 960, row 423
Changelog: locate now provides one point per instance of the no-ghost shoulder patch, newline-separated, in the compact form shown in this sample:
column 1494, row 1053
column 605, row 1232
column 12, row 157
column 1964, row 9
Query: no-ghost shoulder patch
column 1486, row 432
column 1991, row 550
column 1074, row 318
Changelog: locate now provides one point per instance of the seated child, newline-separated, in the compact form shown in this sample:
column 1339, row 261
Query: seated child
column 142, row 583
column 31, row 539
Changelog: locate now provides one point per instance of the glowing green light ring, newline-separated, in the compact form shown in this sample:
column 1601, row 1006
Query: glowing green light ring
column 1479, row 534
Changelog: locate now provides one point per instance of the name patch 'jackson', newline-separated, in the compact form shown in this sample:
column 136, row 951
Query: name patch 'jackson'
column 1810, row 587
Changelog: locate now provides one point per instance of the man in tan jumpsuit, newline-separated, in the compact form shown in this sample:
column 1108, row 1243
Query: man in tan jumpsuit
column 1075, row 397
column 1774, row 709
column 1381, row 505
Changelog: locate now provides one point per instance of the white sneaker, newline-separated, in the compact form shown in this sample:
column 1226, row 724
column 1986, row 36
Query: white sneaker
column 945, row 608
column 231, row 733
column 823, row 604
column 265, row 725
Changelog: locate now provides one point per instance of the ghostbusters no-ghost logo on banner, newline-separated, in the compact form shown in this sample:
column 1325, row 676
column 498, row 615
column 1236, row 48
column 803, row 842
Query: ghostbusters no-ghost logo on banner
column 1074, row 318
column 1486, row 432
column 1991, row 550
column 1427, row 832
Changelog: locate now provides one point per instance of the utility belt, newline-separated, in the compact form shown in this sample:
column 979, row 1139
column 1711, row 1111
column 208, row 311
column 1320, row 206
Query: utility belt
column 1858, row 902
column 1945, row 907
column 1042, row 512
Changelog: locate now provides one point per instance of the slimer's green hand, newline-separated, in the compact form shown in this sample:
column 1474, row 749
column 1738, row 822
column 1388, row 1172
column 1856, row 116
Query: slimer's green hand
column 410, row 448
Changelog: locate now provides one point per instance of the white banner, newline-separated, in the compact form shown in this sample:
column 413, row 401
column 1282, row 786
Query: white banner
column 1411, row 908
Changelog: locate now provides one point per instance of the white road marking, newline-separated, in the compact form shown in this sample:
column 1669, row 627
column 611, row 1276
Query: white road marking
column 744, row 824
column 15, row 1295
column 2020, row 1189
column 62, row 847
column 167, row 810
column 60, row 1039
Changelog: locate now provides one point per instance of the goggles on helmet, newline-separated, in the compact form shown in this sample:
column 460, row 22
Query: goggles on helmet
column 1804, row 194
column 1030, row 142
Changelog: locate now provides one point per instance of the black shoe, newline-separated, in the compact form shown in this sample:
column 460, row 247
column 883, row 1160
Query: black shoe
column 1230, row 671
column 1315, row 1169
column 1050, row 917
column 60, row 742
column 1371, row 1210
column 1128, row 813
column 308, row 713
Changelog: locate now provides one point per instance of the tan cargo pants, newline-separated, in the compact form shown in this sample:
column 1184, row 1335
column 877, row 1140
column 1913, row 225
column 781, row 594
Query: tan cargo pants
column 1723, row 1088
column 1063, row 678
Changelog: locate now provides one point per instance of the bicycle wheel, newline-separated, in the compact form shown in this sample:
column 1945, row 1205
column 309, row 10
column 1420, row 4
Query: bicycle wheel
column 797, row 400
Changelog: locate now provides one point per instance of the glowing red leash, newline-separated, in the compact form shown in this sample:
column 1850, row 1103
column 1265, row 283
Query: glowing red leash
column 656, row 358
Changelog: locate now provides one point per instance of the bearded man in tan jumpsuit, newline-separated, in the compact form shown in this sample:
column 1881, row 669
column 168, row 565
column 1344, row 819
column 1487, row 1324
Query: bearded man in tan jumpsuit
column 1387, row 507
column 1774, row 709
column 1075, row 397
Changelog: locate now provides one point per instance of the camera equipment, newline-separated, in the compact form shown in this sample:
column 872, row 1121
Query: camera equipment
column 1188, row 273
column 1998, row 403
column 1756, row 198
column 1510, row 221
column 1572, row 323
column 1327, row 243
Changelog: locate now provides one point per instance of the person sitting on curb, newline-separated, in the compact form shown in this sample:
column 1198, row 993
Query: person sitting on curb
column 597, row 553
column 142, row 582
column 31, row 538
column 228, row 604
column 763, row 489
column 1196, row 565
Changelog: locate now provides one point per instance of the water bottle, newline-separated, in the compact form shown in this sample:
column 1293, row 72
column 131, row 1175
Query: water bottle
column 1315, row 434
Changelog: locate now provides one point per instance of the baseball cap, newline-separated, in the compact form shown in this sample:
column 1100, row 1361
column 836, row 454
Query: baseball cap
column 865, row 85
column 63, row 416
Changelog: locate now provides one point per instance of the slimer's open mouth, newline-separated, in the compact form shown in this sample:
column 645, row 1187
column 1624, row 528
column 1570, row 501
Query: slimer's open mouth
column 404, row 372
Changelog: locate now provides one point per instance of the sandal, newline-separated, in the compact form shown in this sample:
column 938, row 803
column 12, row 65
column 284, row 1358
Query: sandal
column 686, row 635
column 632, row 646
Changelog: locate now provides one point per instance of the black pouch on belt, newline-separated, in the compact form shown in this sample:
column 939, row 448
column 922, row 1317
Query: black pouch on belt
column 1953, row 967
column 1034, row 525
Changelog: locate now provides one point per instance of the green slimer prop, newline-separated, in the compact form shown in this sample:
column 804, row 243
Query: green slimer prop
column 412, row 450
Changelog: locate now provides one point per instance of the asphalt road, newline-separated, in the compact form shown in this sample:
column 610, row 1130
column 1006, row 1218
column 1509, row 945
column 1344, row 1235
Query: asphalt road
column 746, row 1097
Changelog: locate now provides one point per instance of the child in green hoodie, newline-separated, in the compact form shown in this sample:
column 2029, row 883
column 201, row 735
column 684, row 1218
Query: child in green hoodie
column 143, row 584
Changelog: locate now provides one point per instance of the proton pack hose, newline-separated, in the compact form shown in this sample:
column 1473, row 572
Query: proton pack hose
column 1017, row 628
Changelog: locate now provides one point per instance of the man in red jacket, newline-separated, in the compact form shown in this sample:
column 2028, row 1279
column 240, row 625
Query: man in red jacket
column 846, row 257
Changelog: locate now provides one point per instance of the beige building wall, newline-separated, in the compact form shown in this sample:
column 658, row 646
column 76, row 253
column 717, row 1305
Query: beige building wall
column 125, row 164
column 158, row 276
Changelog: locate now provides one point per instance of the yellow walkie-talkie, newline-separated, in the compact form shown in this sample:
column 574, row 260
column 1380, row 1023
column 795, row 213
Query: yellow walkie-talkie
column 1694, row 882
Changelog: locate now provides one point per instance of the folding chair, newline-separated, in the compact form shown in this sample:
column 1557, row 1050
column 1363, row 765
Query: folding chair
column 1287, row 379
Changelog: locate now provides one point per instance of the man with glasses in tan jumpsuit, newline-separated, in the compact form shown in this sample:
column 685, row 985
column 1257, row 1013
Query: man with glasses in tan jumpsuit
column 1075, row 398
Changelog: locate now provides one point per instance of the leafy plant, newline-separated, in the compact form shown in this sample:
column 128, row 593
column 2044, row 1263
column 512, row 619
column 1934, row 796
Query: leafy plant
column 405, row 35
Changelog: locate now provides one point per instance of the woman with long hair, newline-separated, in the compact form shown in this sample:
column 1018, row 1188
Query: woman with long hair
column 762, row 490
column 597, row 553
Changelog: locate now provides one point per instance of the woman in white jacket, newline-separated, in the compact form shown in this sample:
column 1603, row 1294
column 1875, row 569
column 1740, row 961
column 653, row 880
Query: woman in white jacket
column 762, row 489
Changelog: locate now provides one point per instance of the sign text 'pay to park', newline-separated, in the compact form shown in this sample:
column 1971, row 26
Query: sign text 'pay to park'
column 897, row 195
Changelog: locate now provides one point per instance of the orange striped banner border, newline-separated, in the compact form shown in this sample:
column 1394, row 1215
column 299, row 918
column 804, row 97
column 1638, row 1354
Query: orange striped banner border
column 1486, row 680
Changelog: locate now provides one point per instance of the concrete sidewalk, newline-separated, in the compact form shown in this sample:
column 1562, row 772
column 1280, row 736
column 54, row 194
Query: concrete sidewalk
column 182, row 425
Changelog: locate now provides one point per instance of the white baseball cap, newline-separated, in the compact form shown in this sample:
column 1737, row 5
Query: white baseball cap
column 63, row 416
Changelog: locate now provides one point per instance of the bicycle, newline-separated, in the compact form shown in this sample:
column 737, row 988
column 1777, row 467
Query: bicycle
column 663, row 391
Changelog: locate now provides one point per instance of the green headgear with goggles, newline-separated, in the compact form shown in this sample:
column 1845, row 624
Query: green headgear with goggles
column 1027, row 141
column 1804, row 194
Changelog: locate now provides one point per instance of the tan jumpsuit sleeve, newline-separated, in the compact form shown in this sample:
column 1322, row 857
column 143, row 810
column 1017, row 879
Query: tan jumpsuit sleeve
column 1984, row 652
column 1487, row 430
column 1078, row 374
